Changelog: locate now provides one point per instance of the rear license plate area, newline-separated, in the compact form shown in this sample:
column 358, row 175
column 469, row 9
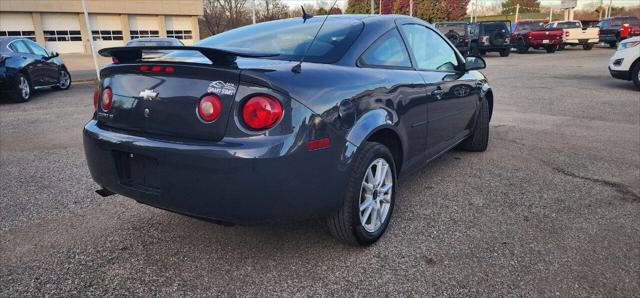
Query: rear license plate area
column 137, row 171
column 583, row 40
column 545, row 41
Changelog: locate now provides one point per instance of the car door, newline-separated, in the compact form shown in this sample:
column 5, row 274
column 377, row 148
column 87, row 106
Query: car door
column 29, row 63
column 47, row 66
column 451, row 99
column 389, row 63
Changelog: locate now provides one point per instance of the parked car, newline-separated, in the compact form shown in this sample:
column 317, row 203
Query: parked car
column 615, row 29
column 533, row 34
column 238, row 129
column 26, row 66
column 625, row 63
column 154, row 42
column 478, row 38
column 575, row 34
column 457, row 33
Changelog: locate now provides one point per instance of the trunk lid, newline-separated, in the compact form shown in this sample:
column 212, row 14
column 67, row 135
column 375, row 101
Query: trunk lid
column 173, row 109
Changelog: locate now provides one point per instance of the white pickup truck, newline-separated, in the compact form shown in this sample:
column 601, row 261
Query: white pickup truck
column 575, row 34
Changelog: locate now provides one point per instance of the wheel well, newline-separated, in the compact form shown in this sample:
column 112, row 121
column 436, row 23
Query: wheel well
column 634, row 64
column 390, row 139
column 489, row 98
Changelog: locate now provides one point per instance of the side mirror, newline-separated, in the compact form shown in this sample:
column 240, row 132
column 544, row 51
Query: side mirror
column 53, row 54
column 474, row 62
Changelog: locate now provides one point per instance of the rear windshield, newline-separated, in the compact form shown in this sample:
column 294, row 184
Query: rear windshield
column 633, row 21
column 530, row 26
column 290, row 38
column 569, row 25
column 140, row 43
column 446, row 28
column 492, row 27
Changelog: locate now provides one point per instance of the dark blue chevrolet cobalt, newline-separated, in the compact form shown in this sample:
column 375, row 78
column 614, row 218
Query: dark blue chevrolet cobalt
column 271, row 123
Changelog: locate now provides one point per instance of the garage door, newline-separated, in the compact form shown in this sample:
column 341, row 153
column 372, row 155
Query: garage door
column 17, row 24
column 180, row 28
column 143, row 26
column 62, row 32
column 106, row 30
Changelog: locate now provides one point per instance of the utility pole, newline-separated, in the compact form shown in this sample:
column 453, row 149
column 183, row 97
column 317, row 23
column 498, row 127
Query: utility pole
column 253, row 11
column 609, row 13
column 410, row 8
column 517, row 11
column 373, row 6
column 550, row 14
column 473, row 10
column 380, row 8
column 93, row 48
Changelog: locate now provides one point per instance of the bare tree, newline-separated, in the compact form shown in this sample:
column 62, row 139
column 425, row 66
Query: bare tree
column 234, row 11
column 213, row 18
column 271, row 10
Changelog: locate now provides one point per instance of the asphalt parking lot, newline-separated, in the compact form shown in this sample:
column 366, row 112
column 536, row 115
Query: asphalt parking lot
column 552, row 208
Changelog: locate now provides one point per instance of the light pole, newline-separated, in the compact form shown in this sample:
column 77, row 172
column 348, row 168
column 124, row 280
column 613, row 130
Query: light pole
column 410, row 8
column 253, row 11
column 89, row 32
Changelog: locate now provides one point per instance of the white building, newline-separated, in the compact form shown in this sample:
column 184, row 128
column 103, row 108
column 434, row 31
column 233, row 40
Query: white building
column 60, row 26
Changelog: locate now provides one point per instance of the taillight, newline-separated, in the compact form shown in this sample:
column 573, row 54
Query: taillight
column 107, row 99
column 96, row 94
column 156, row 68
column 566, row 34
column 209, row 108
column 114, row 60
column 261, row 112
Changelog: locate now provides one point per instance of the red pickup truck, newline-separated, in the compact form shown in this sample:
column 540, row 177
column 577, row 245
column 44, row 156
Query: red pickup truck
column 533, row 34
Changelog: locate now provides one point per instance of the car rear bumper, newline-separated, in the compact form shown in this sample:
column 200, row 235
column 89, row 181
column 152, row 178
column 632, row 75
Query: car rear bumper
column 492, row 48
column 581, row 41
column 230, row 181
column 608, row 38
column 545, row 42
column 620, row 74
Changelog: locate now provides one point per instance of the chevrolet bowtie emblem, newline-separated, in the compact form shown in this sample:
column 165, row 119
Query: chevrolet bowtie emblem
column 148, row 94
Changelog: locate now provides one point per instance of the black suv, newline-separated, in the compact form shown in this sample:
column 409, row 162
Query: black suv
column 478, row 38
column 490, row 36
column 457, row 33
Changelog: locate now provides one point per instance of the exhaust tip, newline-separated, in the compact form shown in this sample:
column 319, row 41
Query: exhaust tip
column 103, row 192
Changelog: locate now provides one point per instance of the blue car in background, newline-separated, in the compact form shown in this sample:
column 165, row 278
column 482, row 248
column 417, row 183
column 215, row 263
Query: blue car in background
column 26, row 66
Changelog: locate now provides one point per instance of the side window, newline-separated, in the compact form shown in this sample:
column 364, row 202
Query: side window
column 20, row 47
column 429, row 49
column 37, row 49
column 387, row 51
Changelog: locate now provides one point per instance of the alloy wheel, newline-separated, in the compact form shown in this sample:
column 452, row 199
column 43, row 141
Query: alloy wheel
column 65, row 80
column 375, row 195
column 25, row 90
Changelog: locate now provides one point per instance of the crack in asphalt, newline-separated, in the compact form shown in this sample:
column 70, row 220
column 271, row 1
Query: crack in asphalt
column 624, row 190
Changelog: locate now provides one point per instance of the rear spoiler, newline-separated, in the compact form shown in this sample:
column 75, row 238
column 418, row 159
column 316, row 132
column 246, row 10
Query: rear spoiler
column 219, row 56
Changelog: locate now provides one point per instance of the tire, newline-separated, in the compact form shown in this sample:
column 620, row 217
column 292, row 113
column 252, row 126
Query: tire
column 474, row 50
column 482, row 53
column 505, row 53
column 613, row 44
column 551, row 49
column 561, row 47
column 346, row 224
column 479, row 140
column 22, row 91
column 635, row 75
column 66, row 84
column 587, row 46
column 522, row 47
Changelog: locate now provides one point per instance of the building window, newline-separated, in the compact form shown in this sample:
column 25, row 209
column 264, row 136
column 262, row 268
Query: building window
column 26, row 34
column 144, row 33
column 106, row 35
column 180, row 34
column 62, row 35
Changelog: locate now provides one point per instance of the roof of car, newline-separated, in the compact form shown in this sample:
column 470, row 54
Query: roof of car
column 5, row 40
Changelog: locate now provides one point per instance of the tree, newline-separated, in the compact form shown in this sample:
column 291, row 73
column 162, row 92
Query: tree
column 213, row 20
column 268, row 10
column 454, row 9
column 361, row 6
column 509, row 6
